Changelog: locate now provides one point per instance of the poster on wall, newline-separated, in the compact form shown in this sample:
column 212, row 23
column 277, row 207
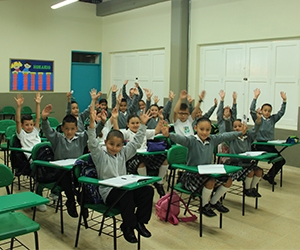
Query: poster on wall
column 31, row 75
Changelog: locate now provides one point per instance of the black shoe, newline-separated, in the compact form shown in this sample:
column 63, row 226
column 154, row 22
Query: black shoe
column 256, row 193
column 269, row 179
column 249, row 193
column 128, row 234
column 219, row 206
column 71, row 208
column 140, row 227
column 207, row 211
column 160, row 189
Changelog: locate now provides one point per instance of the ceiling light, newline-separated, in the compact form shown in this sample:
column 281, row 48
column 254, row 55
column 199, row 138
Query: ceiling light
column 63, row 3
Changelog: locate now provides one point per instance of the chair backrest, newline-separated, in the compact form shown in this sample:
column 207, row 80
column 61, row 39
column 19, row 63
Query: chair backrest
column 77, row 169
column 53, row 121
column 8, row 110
column 6, row 176
column 6, row 123
column 177, row 154
column 36, row 148
column 26, row 110
column 10, row 131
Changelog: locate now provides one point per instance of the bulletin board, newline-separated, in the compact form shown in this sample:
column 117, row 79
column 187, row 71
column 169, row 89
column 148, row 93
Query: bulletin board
column 31, row 75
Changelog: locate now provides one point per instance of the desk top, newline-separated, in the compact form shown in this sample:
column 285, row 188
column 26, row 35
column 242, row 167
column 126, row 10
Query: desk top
column 153, row 179
column 262, row 157
column 274, row 143
column 51, row 165
column 194, row 169
column 145, row 152
column 21, row 200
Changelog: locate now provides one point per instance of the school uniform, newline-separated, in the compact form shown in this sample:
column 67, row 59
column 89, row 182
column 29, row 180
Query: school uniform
column 129, row 100
column 82, row 116
column 152, row 123
column 225, row 125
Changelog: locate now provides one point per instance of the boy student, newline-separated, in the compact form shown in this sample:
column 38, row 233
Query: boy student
column 266, row 132
column 226, row 116
column 155, row 110
column 102, row 104
column 250, row 174
column 27, row 130
column 200, row 151
column 132, row 92
column 183, row 120
column 135, row 205
column 124, row 109
column 68, row 145
column 73, row 109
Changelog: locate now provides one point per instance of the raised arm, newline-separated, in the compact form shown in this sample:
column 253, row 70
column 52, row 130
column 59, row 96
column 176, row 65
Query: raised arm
column 211, row 110
column 148, row 100
column 19, row 100
column 141, row 94
column 69, row 96
column 197, row 106
column 38, row 98
column 221, row 106
column 234, row 109
column 182, row 97
column 253, row 104
column 114, row 90
column 281, row 112
column 133, row 105
column 167, row 108
column 124, row 90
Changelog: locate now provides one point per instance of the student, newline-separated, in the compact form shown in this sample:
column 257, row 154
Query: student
column 124, row 109
column 250, row 176
column 73, row 109
column 68, row 145
column 141, row 163
column 183, row 120
column 200, row 151
column 102, row 104
column 266, row 132
column 132, row 92
column 27, row 130
column 154, row 108
column 226, row 116
column 110, row 161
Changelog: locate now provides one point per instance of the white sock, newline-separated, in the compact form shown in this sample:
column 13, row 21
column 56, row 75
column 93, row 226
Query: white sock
column 162, row 172
column 218, row 194
column 256, row 180
column 248, row 181
column 142, row 171
column 206, row 193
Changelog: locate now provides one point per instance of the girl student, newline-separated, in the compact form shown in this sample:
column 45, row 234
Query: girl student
column 110, row 161
column 250, row 174
column 200, row 151
column 141, row 163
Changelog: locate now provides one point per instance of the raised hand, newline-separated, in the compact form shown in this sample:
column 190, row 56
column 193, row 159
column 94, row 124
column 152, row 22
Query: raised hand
column 114, row 88
column 222, row 94
column 216, row 102
column 283, row 96
column 155, row 99
column 171, row 95
column 19, row 100
column 144, row 117
column 183, row 94
column 93, row 116
column 258, row 115
column 94, row 94
column 114, row 113
column 202, row 95
column 256, row 93
column 125, row 82
column 160, row 114
column 190, row 99
column 69, row 95
column 120, row 96
column 234, row 95
column 38, row 98
column 135, row 91
column 148, row 93
column 244, row 129
column 165, row 129
column 46, row 111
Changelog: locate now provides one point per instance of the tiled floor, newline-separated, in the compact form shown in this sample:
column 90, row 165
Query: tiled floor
column 274, row 225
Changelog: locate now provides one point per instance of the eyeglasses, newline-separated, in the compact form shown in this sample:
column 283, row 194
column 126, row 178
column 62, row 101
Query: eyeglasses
column 183, row 113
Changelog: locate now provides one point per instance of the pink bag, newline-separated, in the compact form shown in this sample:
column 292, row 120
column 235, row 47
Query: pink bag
column 162, row 207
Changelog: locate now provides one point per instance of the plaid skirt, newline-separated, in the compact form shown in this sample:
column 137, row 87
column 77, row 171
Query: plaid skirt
column 152, row 162
column 194, row 182
column 242, row 174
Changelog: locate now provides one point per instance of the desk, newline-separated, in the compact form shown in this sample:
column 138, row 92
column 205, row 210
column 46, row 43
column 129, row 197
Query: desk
column 194, row 169
column 267, row 157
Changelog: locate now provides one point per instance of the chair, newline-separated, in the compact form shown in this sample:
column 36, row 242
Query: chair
column 3, row 126
column 8, row 110
column 26, row 110
column 51, row 186
column 15, row 224
column 53, row 122
column 177, row 155
column 103, row 209
column 9, row 132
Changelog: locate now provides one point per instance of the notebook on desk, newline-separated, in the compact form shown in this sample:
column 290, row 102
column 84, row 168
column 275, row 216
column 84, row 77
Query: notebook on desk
column 66, row 162
column 277, row 141
column 253, row 153
column 211, row 169
column 123, row 180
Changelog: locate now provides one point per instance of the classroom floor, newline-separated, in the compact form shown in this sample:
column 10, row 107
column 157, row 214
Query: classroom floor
column 274, row 225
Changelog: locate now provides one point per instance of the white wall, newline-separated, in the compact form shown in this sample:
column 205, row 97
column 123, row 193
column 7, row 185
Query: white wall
column 227, row 21
column 136, row 30
column 30, row 29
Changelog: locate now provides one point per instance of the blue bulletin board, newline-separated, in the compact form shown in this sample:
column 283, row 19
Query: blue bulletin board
column 31, row 75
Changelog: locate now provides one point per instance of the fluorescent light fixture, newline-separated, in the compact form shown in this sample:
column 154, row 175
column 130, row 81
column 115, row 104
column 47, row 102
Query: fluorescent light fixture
column 63, row 3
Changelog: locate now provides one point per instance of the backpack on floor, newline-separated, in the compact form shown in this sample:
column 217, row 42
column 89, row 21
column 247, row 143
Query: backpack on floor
column 45, row 174
column 92, row 195
column 162, row 207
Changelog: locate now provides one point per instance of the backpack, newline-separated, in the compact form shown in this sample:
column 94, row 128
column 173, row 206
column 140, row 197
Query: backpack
column 162, row 207
column 92, row 195
column 18, row 159
column 45, row 174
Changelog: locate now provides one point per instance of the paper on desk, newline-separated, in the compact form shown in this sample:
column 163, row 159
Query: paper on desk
column 66, row 162
column 141, row 150
column 211, row 169
column 277, row 141
column 123, row 180
column 253, row 153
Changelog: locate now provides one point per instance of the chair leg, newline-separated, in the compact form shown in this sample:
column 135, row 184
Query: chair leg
column 201, row 219
column 61, row 213
column 12, row 243
column 115, row 232
column 78, row 230
column 256, row 198
column 281, row 173
column 187, row 205
column 243, row 199
column 221, row 220
column 102, row 224
column 139, row 242
column 36, row 240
